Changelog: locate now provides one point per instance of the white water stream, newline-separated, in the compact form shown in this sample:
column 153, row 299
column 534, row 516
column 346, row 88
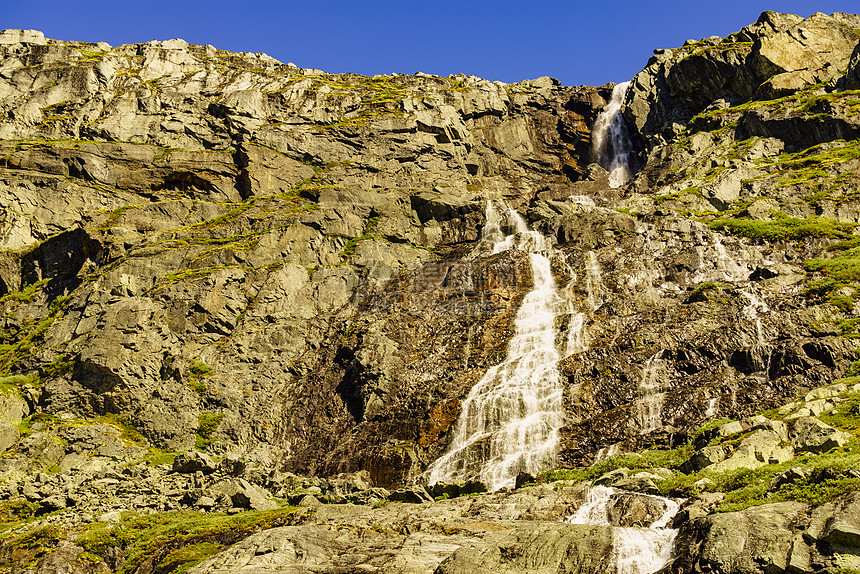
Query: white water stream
column 635, row 550
column 753, row 311
column 611, row 141
column 649, row 407
column 509, row 422
column 593, row 283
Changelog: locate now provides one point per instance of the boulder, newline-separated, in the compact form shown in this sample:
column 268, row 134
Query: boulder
column 473, row 486
column 756, row 540
column 609, row 478
column 9, row 435
column 636, row 484
column 723, row 430
column 524, row 478
column 231, row 465
column 627, row 509
column 415, row 494
column 812, row 435
column 443, row 205
column 13, row 408
column 838, row 521
column 789, row 476
column 827, row 392
column 760, row 448
column 705, row 457
column 242, row 494
column 191, row 462
column 13, row 36
column 538, row 548
column 444, row 490
column 309, row 500
column 42, row 449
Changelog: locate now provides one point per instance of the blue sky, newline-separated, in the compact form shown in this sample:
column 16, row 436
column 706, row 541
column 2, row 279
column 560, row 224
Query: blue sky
column 591, row 42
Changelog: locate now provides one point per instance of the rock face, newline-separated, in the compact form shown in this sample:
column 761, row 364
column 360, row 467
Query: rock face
column 779, row 55
column 281, row 270
column 291, row 250
column 223, row 245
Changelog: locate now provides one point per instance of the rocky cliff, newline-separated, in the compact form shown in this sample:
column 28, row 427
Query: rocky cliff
column 217, row 253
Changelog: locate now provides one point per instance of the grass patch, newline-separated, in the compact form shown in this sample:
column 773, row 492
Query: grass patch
column 26, row 294
column 14, row 513
column 828, row 477
column 197, row 374
column 784, row 228
column 129, row 432
column 679, row 196
column 207, row 424
column 18, row 345
column 350, row 245
column 645, row 460
column 13, row 383
column 843, row 268
column 177, row 540
column 749, row 487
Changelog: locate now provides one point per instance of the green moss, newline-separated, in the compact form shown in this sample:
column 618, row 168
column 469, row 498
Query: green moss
column 679, row 196
column 749, row 487
column 702, row 48
column 652, row 458
column 59, row 366
column 844, row 267
column 174, row 541
column 184, row 274
column 350, row 245
column 26, row 294
column 13, row 383
column 197, row 373
column 20, row 344
column 846, row 416
column 706, row 286
column 184, row 558
column 128, row 431
column 207, row 424
column 14, row 513
column 820, row 287
column 157, row 457
column 784, row 228
column 199, row 368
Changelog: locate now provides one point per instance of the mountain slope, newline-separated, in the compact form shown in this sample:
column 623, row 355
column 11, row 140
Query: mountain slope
column 282, row 268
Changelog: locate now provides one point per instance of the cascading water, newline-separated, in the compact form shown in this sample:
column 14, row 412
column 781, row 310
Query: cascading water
column 650, row 403
column 592, row 281
column 713, row 405
column 509, row 422
column 611, row 140
column 635, row 550
column 752, row 312
column 730, row 269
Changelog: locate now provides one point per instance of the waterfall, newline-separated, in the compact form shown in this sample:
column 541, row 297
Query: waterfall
column 577, row 341
column 611, row 140
column 509, row 421
column 634, row 550
column 650, row 404
column 752, row 312
column 593, row 283
column 713, row 404
column 607, row 452
column 731, row 269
